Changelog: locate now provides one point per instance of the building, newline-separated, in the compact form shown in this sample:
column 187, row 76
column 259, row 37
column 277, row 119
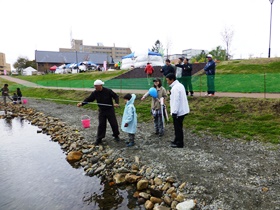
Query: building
column 189, row 53
column 114, row 52
column 47, row 59
column 4, row 65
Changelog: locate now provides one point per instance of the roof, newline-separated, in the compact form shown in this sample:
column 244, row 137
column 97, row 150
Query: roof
column 69, row 57
column 29, row 69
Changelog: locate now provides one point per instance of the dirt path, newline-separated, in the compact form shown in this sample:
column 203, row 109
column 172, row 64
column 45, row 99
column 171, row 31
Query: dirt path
column 220, row 173
column 196, row 94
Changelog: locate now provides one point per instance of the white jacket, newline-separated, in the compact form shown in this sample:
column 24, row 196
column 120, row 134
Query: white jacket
column 178, row 99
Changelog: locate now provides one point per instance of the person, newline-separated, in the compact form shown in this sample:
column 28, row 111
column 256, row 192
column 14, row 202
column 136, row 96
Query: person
column 129, row 119
column 179, row 108
column 19, row 94
column 156, row 106
column 5, row 93
column 210, row 69
column 149, row 70
column 167, row 69
column 186, row 78
column 104, row 97
column 15, row 98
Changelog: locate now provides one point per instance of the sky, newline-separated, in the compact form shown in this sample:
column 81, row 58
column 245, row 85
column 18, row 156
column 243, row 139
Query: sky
column 47, row 25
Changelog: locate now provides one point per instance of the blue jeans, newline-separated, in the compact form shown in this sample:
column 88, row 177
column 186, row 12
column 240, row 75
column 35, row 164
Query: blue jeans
column 158, row 121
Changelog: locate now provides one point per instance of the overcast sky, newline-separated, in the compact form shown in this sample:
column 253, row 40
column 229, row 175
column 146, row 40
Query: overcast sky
column 197, row 24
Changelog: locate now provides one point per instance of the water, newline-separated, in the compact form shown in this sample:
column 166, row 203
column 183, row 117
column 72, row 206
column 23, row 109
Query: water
column 34, row 174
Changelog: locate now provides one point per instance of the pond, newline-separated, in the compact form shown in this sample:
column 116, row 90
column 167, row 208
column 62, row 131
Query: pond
column 34, row 174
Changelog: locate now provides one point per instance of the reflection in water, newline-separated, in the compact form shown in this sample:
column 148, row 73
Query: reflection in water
column 35, row 175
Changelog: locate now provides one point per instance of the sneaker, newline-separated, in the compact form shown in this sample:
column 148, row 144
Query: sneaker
column 97, row 142
column 156, row 132
column 160, row 135
column 191, row 94
column 206, row 94
column 210, row 94
column 130, row 144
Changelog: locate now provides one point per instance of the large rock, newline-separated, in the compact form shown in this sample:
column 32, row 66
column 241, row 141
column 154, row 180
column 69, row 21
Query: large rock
column 119, row 178
column 74, row 156
column 131, row 178
column 149, row 205
column 186, row 205
column 155, row 200
column 158, row 181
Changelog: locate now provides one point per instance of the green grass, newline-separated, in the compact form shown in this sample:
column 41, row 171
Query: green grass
column 241, row 118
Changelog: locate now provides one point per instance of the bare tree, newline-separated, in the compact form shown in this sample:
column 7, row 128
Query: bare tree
column 168, row 46
column 227, row 36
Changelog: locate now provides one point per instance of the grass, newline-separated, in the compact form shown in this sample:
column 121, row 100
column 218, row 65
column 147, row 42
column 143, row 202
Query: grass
column 241, row 118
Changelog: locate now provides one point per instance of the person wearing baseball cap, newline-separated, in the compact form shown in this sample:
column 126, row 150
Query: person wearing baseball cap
column 104, row 97
column 210, row 69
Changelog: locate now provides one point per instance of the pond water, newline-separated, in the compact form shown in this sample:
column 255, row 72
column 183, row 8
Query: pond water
column 34, row 174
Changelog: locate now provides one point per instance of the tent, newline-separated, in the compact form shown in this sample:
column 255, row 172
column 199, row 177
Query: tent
column 29, row 71
column 140, row 59
column 53, row 68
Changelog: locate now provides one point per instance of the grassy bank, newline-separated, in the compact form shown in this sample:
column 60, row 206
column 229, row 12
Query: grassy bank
column 244, row 118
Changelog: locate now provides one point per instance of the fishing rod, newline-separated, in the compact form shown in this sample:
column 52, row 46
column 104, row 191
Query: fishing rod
column 53, row 99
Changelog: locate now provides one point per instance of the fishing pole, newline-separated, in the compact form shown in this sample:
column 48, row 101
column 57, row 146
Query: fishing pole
column 53, row 99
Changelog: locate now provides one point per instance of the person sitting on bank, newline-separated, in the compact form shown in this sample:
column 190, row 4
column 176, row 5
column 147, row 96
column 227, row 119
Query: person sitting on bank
column 15, row 98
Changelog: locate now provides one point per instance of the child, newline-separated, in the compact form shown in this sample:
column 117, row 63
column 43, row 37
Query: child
column 156, row 107
column 129, row 119
column 5, row 93
column 15, row 98
column 19, row 94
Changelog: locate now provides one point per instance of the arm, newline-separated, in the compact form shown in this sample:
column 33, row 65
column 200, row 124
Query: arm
column 116, row 98
column 91, row 98
column 176, row 103
column 145, row 96
column 209, row 65
column 129, row 115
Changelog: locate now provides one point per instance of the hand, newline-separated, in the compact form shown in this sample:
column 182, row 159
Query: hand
column 142, row 98
column 126, row 125
column 116, row 105
column 79, row 104
column 174, row 115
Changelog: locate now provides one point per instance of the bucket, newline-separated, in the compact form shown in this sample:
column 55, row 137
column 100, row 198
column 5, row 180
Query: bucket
column 24, row 101
column 85, row 121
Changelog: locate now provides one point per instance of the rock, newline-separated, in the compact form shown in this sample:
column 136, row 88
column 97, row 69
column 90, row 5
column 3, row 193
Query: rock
column 174, row 204
column 136, row 194
column 85, row 151
column 166, row 186
column 84, row 163
column 170, row 190
column 167, row 200
column 137, row 160
column 264, row 189
column 99, row 169
column 158, row 181
column 123, row 170
column 119, row 178
column 149, row 205
column 131, row 178
column 94, row 159
column 161, row 208
column 134, row 167
column 170, row 180
column 145, row 195
column 180, row 197
column 108, row 161
column 155, row 200
column 186, row 205
column 141, row 201
column 39, row 131
column 142, row 184
column 182, row 186
column 155, row 193
column 74, row 156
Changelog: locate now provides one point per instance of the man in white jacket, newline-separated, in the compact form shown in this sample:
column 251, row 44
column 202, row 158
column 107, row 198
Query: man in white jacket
column 179, row 108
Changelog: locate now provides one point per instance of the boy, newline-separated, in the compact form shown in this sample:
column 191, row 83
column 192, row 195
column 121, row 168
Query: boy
column 129, row 119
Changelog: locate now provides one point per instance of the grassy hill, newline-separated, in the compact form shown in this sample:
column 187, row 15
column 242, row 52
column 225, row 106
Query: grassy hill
column 249, row 66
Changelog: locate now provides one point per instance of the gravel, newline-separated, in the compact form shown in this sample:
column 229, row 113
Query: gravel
column 220, row 173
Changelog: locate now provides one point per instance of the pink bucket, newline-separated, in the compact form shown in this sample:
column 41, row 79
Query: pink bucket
column 85, row 121
column 24, row 101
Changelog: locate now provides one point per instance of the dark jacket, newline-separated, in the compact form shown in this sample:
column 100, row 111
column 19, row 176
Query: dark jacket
column 19, row 94
column 210, row 68
column 167, row 70
column 105, row 96
column 187, row 70
column 5, row 91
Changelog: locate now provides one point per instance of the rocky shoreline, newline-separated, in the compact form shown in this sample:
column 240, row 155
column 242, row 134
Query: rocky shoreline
column 164, row 177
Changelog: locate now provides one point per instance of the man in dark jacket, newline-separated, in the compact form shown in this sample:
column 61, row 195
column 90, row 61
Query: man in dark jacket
column 104, row 97
column 210, row 69
column 186, row 77
column 167, row 69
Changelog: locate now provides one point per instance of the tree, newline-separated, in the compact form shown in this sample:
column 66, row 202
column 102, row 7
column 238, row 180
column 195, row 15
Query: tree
column 227, row 36
column 22, row 63
column 158, row 47
column 219, row 53
column 199, row 58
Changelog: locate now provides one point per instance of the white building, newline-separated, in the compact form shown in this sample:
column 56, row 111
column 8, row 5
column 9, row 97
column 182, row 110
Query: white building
column 189, row 53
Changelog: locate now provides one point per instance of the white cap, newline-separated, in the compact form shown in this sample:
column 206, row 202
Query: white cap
column 209, row 56
column 98, row 82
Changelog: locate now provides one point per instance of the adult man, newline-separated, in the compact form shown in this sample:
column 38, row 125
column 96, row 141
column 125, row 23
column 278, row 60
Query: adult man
column 209, row 69
column 167, row 69
column 104, row 97
column 179, row 107
column 5, row 93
